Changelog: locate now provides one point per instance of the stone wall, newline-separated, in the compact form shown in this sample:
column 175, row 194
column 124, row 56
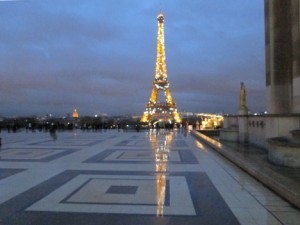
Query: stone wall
column 230, row 122
column 257, row 131
column 278, row 126
column 261, row 128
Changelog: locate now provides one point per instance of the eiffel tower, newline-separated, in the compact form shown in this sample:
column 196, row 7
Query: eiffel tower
column 161, row 111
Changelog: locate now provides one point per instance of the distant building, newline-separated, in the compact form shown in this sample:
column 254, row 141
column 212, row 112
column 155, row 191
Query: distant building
column 75, row 114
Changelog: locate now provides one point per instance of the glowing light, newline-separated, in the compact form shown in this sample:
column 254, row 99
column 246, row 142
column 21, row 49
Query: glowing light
column 210, row 121
column 75, row 114
column 161, row 109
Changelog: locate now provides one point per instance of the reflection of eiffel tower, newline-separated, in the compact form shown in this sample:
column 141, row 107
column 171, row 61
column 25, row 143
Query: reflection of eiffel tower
column 161, row 110
column 161, row 143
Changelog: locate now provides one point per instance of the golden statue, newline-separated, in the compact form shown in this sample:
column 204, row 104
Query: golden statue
column 243, row 96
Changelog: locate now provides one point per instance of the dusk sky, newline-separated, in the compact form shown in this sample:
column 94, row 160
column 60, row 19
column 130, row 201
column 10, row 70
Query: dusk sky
column 99, row 56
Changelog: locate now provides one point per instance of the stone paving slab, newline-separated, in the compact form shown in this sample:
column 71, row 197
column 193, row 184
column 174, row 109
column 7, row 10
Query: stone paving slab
column 282, row 180
column 147, row 178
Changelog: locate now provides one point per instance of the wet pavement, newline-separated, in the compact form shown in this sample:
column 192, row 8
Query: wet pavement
column 155, row 177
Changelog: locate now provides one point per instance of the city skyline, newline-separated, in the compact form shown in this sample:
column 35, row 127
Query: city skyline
column 100, row 56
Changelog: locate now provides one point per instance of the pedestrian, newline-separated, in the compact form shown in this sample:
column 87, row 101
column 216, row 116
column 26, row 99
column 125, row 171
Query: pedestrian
column 137, row 127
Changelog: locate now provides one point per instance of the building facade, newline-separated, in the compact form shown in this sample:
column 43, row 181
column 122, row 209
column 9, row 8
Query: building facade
column 282, row 30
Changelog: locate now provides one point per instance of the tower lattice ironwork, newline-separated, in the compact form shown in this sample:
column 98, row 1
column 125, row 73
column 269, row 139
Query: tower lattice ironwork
column 166, row 111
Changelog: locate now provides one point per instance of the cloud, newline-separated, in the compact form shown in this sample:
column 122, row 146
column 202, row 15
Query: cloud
column 100, row 55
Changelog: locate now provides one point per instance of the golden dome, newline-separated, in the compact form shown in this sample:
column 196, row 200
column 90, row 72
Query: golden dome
column 75, row 113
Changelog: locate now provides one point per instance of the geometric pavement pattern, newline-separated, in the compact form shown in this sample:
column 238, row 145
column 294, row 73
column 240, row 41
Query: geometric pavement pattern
column 156, row 177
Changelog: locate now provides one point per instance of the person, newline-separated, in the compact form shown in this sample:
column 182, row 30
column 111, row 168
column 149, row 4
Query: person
column 52, row 132
column 137, row 127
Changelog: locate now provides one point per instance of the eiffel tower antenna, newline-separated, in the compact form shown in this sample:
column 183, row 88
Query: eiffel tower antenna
column 161, row 111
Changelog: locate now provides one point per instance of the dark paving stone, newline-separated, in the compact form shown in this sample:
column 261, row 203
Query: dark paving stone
column 9, row 172
column 60, row 153
column 186, row 157
column 100, row 137
column 209, row 205
column 130, row 190
column 58, row 142
column 137, row 143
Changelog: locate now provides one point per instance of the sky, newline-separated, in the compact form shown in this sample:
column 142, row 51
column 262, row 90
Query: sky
column 99, row 56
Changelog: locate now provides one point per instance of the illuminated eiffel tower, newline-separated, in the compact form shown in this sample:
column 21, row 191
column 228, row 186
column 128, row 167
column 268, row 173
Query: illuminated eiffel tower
column 161, row 111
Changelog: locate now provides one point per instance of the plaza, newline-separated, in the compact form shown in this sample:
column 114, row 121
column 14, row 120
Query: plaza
column 132, row 178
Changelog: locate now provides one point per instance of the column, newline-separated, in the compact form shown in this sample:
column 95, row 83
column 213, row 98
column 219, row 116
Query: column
column 278, row 56
column 295, row 9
